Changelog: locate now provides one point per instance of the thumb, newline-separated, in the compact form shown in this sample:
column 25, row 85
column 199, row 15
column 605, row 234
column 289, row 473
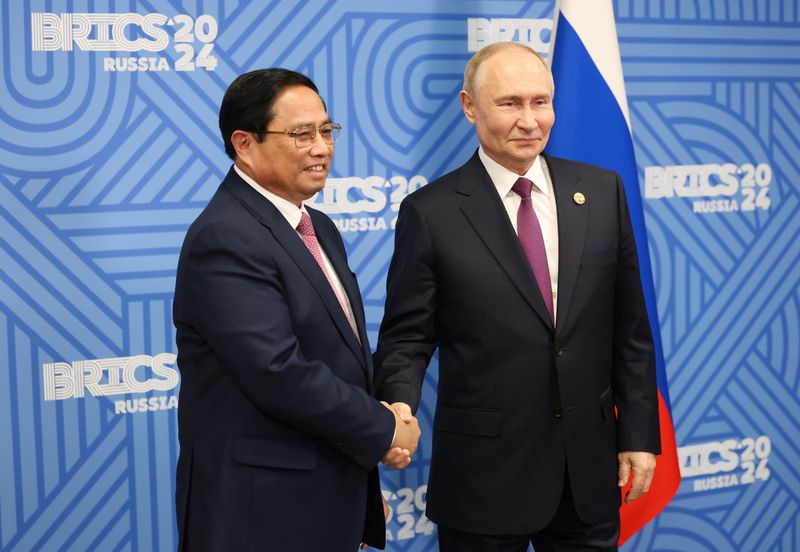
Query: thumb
column 404, row 411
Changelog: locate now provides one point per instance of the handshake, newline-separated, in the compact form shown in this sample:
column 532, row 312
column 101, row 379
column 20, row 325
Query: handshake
column 406, row 437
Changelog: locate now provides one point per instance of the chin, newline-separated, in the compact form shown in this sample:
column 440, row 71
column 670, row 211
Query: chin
column 316, row 185
column 525, row 160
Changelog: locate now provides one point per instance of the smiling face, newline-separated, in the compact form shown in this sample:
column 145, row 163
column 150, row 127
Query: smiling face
column 276, row 163
column 512, row 107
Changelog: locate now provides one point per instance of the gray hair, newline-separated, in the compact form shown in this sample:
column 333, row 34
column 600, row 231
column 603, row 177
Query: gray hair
column 473, row 74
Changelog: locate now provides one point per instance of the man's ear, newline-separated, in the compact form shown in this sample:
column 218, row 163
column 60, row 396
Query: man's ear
column 242, row 142
column 468, row 105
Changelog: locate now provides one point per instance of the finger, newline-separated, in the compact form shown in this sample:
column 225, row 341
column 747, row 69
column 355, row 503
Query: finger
column 398, row 461
column 394, row 455
column 631, row 496
column 637, row 487
column 648, row 479
column 363, row 546
column 624, row 472
column 385, row 508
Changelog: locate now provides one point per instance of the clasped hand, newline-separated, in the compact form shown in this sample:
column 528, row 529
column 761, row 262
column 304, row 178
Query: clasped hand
column 406, row 437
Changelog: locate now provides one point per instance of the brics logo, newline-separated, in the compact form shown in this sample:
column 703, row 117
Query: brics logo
column 713, row 188
column 129, row 32
column 115, row 376
column 366, row 198
column 406, row 518
column 530, row 32
column 728, row 463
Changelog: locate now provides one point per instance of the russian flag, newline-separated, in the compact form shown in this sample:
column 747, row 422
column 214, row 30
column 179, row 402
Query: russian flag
column 593, row 126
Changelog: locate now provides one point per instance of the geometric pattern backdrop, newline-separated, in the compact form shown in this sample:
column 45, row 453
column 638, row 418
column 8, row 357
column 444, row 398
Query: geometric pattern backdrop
column 109, row 148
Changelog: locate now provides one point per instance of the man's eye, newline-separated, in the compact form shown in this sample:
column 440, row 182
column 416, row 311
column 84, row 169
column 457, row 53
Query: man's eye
column 326, row 132
column 302, row 134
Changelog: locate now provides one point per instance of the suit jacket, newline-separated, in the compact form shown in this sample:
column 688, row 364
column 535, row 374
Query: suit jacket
column 520, row 401
column 279, row 434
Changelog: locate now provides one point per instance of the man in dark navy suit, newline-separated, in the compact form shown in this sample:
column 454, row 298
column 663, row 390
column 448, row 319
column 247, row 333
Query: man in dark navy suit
column 522, row 269
column 279, row 432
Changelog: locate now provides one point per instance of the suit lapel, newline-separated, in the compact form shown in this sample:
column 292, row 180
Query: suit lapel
column 337, row 256
column 486, row 213
column 572, row 219
column 268, row 215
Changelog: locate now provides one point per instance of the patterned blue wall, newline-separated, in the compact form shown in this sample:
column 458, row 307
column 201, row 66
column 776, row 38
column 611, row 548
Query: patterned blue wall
column 109, row 148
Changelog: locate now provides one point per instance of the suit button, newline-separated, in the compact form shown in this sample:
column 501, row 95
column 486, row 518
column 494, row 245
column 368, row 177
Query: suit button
column 559, row 351
column 557, row 412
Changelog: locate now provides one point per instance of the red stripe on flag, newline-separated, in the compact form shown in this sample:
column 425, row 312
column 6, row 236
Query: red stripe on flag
column 665, row 484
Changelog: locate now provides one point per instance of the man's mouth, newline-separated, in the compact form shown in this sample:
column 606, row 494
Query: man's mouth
column 315, row 169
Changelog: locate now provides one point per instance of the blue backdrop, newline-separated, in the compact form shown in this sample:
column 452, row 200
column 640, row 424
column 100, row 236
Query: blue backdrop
column 109, row 148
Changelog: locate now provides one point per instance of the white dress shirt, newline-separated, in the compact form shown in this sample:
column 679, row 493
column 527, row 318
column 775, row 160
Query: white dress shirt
column 544, row 205
column 292, row 213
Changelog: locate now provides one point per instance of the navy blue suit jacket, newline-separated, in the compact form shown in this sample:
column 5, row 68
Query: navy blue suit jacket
column 520, row 401
column 279, row 433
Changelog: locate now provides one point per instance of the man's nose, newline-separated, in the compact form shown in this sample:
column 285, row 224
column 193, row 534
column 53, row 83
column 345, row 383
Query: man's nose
column 527, row 119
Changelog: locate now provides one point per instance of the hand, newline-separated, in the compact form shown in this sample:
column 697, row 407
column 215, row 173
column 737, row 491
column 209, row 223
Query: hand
column 364, row 545
column 643, row 465
column 386, row 510
column 406, row 439
column 408, row 432
column 403, row 410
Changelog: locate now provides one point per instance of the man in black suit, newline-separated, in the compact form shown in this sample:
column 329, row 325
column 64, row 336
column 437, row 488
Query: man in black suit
column 522, row 269
column 278, row 429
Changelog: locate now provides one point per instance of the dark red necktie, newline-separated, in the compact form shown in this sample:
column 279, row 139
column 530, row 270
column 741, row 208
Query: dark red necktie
column 306, row 229
column 530, row 236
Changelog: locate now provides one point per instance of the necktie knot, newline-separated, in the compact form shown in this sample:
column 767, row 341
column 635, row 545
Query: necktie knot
column 523, row 187
column 305, row 227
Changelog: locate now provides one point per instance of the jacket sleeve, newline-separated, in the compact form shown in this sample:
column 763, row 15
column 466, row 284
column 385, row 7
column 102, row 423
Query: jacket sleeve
column 634, row 369
column 408, row 336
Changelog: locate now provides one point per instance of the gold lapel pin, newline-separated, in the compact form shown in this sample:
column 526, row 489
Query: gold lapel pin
column 579, row 198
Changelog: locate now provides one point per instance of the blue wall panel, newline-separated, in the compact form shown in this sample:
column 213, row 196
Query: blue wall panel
column 103, row 167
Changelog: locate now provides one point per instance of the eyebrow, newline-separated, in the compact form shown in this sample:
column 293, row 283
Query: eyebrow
column 517, row 98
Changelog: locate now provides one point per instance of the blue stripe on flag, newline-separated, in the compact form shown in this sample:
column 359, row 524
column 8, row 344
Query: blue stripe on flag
column 595, row 131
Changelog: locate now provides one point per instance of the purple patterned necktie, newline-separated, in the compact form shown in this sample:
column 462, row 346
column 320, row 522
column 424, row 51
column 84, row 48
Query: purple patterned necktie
column 530, row 236
column 306, row 229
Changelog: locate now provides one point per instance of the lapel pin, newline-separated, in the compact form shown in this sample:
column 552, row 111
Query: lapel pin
column 579, row 198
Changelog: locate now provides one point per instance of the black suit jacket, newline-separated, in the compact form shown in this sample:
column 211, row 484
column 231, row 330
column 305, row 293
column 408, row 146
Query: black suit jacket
column 520, row 401
column 279, row 434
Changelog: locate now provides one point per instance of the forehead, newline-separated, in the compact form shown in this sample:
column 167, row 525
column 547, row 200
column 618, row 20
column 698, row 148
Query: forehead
column 299, row 105
column 514, row 72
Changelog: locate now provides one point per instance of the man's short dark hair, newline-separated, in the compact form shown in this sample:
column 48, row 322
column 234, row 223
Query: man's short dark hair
column 248, row 102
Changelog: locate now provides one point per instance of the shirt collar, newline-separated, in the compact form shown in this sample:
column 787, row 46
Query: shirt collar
column 289, row 210
column 504, row 179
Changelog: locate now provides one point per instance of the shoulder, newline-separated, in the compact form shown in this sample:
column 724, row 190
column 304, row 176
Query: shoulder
column 559, row 165
column 441, row 190
column 224, row 224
